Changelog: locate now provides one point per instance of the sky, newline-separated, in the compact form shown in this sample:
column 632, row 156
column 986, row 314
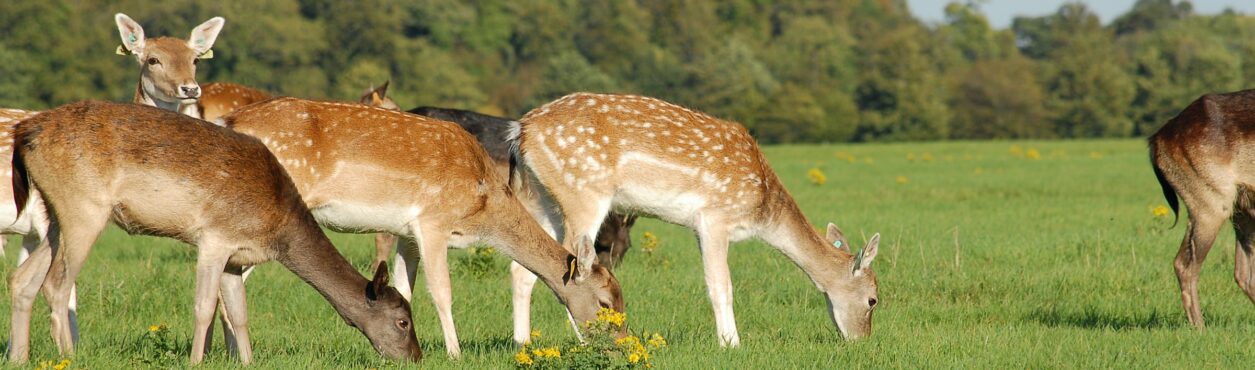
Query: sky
column 1000, row 12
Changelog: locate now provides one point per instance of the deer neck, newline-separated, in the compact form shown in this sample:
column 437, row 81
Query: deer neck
column 311, row 256
column 142, row 98
column 785, row 227
column 529, row 244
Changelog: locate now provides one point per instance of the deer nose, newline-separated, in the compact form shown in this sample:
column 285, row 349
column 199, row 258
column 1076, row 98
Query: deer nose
column 192, row 91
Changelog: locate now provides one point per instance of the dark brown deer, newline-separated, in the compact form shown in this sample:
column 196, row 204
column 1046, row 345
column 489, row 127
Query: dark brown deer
column 1204, row 156
column 593, row 153
column 366, row 169
column 156, row 172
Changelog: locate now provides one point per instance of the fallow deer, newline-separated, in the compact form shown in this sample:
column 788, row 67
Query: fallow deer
column 366, row 169
column 156, row 172
column 218, row 99
column 33, row 225
column 167, row 64
column 611, row 243
column 1204, row 156
column 593, row 153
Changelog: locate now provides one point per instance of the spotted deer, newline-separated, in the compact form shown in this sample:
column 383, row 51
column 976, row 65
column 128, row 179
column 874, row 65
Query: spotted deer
column 156, row 172
column 611, row 243
column 1203, row 157
column 366, row 169
column 219, row 99
column 593, row 153
column 167, row 64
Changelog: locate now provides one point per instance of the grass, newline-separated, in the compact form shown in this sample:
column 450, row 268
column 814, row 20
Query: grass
column 990, row 259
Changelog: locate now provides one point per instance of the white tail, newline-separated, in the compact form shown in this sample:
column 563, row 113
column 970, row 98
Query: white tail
column 593, row 153
column 365, row 169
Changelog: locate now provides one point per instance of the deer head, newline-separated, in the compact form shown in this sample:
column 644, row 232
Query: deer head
column 168, row 65
column 378, row 97
column 853, row 297
column 389, row 326
column 591, row 281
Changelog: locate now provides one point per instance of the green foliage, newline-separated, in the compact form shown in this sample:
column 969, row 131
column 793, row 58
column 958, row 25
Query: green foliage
column 791, row 71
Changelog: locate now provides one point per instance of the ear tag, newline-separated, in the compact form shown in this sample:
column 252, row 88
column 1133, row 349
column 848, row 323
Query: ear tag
column 132, row 39
column 200, row 41
column 122, row 50
column 208, row 54
column 571, row 273
column 836, row 243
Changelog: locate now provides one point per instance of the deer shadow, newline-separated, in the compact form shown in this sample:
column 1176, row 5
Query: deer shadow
column 1090, row 318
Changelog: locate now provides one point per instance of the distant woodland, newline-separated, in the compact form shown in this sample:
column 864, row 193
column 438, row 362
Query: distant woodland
column 791, row 71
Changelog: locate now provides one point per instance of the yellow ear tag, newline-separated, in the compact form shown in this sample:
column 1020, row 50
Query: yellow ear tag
column 209, row 54
column 122, row 50
column 572, row 272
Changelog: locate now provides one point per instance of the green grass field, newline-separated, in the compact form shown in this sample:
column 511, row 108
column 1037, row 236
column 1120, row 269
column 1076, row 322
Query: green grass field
column 995, row 255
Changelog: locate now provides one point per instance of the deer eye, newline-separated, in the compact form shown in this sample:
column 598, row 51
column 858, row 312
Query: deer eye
column 404, row 325
column 871, row 302
column 153, row 61
column 195, row 61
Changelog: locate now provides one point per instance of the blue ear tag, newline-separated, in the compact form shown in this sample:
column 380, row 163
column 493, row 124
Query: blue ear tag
column 132, row 39
column 836, row 244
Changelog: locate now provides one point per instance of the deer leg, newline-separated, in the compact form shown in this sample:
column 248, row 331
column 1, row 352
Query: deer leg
column 405, row 267
column 235, row 313
column 383, row 247
column 1244, row 258
column 434, row 247
column 228, row 330
column 1200, row 234
column 24, row 286
column 522, row 281
column 78, row 233
column 713, row 240
column 209, row 266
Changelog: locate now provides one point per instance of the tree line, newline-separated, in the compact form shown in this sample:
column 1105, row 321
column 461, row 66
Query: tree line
column 790, row 70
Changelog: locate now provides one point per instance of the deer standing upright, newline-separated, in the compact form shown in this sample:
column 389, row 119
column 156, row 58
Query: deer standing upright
column 168, row 65
column 366, row 169
column 1204, row 156
column 156, row 172
column 595, row 153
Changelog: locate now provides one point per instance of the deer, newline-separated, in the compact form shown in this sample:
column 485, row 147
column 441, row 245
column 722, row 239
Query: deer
column 156, row 172
column 167, row 64
column 1201, row 157
column 612, row 241
column 371, row 170
column 593, row 153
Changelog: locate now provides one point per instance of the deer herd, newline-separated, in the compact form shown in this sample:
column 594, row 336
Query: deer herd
column 248, row 178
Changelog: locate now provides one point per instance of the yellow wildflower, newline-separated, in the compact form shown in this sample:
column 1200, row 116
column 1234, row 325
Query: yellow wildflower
column 522, row 358
column 610, row 316
column 535, row 333
column 1032, row 154
column 656, row 341
column 1160, row 211
column 634, row 358
column 817, row 177
column 927, row 157
column 61, row 365
column 551, row 352
column 901, row 179
column 153, row 328
column 651, row 242
column 910, row 156
column 1016, row 151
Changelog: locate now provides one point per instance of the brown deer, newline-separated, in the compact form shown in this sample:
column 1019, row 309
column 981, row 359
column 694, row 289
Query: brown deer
column 593, row 153
column 168, row 65
column 612, row 242
column 155, row 172
column 366, row 169
column 218, row 99
column 1203, row 156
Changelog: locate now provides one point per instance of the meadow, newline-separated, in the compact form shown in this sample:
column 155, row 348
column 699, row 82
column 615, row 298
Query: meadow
column 994, row 255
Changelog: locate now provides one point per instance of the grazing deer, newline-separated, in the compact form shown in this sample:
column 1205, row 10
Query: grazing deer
column 168, row 65
column 155, row 172
column 611, row 243
column 33, row 225
column 1203, row 156
column 593, row 153
column 366, row 169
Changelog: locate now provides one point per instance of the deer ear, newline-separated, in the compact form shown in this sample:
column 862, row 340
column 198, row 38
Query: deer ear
column 587, row 256
column 383, row 90
column 868, row 254
column 204, row 35
column 835, row 237
column 379, row 283
column 132, row 35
